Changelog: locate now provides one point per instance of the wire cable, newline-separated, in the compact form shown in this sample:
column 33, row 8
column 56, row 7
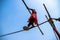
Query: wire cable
column 18, row 31
column 11, row 33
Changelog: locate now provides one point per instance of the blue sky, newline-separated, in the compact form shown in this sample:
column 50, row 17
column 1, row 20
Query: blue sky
column 14, row 16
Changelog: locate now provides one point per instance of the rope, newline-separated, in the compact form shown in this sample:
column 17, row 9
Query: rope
column 11, row 33
column 18, row 31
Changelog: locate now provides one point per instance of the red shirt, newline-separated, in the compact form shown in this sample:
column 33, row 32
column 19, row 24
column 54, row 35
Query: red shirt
column 33, row 16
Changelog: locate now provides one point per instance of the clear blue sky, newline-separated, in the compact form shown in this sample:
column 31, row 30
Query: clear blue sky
column 14, row 15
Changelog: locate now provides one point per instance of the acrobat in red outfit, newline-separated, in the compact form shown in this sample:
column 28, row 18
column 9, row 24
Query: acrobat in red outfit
column 33, row 18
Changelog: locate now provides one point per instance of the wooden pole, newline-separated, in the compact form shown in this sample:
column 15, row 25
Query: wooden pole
column 51, row 22
column 26, row 6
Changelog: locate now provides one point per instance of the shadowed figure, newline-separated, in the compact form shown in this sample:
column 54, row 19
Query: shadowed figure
column 33, row 18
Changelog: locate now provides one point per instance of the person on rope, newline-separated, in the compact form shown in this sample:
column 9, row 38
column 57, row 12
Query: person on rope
column 33, row 18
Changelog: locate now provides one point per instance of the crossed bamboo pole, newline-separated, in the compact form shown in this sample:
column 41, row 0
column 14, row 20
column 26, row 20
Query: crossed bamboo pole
column 51, row 22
